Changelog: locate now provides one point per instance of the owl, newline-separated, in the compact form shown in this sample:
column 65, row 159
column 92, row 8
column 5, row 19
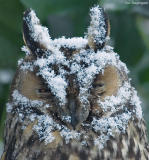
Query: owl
column 71, row 98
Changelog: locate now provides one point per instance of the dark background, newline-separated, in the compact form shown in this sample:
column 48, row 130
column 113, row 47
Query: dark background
column 129, row 36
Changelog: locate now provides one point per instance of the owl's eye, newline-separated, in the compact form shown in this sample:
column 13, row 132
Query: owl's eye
column 42, row 91
column 96, row 85
column 99, row 88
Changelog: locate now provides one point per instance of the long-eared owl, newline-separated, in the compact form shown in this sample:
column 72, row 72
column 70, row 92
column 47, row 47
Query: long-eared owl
column 71, row 98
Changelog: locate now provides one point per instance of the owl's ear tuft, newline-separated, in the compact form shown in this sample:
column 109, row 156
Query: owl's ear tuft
column 36, row 37
column 99, row 29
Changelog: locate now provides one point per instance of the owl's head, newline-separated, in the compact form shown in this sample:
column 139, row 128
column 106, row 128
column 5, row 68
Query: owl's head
column 77, row 80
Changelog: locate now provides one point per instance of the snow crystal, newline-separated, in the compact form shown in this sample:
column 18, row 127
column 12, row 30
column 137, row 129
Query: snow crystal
column 84, row 143
column 19, row 99
column 26, row 50
column 112, row 103
column 100, row 141
column 69, row 134
column 46, row 125
column 47, row 106
column 26, row 66
column 58, row 86
column 66, row 119
column 32, row 117
column 109, row 125
column 38, row 33
column 56, row 83
column 136, row 102
column 9, row 107
column 44, row 128
column 97, row 25
column 24, row 105
column 20, row 61
column 76, row 42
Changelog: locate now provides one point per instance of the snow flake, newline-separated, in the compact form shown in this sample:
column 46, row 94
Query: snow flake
column 73, row 43
column 97, row 25
column 26, row 66
column 108, row 126
column 26, row 50
column 19, row 99
column 38, row 33
column 136, row 102
column 9, row 107
column 44, row 128
column 66, row 119
column 69, row 134
column 112, row 103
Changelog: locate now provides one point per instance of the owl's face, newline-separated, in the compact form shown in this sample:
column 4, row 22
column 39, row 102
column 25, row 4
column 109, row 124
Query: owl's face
column 76, row 80
column 71, row 75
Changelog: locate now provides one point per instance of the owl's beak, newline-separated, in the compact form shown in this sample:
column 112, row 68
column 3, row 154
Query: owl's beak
column 73, row 107
column 74, row 122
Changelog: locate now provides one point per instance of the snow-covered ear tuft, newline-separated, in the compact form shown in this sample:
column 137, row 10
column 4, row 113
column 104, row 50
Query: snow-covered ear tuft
column 35, row 36
column 99, row 28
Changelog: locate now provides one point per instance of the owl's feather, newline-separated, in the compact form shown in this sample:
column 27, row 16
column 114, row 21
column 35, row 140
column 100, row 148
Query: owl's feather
column 71, row 99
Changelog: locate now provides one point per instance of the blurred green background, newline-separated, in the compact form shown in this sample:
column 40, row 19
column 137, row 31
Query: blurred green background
column 129, row 35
